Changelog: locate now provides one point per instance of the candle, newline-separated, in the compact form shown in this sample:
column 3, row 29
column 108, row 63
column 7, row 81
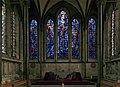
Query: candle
column 62, row 84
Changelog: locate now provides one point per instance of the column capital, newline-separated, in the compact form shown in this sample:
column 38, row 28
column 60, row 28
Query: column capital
column 27, row 3
column 99, row 2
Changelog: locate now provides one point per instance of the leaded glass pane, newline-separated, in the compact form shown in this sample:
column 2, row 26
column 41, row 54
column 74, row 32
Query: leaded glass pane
column 92, row 38
column 3, row 1
column 75, row 39
column 50, row 39
column 13, row 34
column 33, row 39
column 3, row 29
column 113, row 33
column 62, row 35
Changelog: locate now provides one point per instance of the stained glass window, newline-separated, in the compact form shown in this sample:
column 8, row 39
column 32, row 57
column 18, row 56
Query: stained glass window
column 50, row 39
column 75, row 39
column 33, row 39
column 13, row 34
column 62, row 35
column 113, row 33
column 3, row 28
column 92, row 38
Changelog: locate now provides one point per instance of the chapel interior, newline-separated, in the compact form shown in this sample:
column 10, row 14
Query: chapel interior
column 60, row 43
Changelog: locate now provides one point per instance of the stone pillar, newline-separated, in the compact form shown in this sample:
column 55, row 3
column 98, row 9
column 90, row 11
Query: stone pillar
column 18, row 37
column 0, row 42
column 41, row 40
column 55, row 40
column 40, row 45
column 8, row 28
column 70, row 40
column 99, row 41
column 21, row 40
column 117, row 28
column 44, row 41
column 118, row 7
column 84, row 47
column 26, row 40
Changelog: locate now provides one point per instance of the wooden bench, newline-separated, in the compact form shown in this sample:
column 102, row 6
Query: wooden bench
column 109, row 84
column 10, row 85
column 20, row 83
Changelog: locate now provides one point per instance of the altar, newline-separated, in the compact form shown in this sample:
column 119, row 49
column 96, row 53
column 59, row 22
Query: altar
column 63, row 83
column 72, row 80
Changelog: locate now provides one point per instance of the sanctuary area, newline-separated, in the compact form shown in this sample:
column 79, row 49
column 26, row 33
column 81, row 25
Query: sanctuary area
column 60, row 43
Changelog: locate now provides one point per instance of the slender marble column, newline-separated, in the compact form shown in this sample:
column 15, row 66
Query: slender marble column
column 26, row 41
column 99, row 45
column 40, row 45
column 70, row 40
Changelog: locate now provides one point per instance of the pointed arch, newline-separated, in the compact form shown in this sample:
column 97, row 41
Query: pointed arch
column 62, row 34
column 33, row 39
column 50, row 39
column 75, row 39
column 92, row 38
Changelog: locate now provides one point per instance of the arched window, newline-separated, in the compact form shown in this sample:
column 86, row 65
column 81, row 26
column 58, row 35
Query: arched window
column 60, row 38
column 113, row 34
column 33, row 39
column 62, row 35
column 75, row 39
column 50, row 39
column 91, row 38
column 3, row 28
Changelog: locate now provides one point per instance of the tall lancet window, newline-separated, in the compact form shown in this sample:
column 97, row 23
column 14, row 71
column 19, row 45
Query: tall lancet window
column 91, row 38
column 33, row 39
column 13, row 34
column 113, row 34
column 50, row 39
column 75, row 39
column 3, row 27
column 62, row 35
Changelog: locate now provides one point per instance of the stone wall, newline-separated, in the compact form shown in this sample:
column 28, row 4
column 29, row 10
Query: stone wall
column 11, row 70
column 111, row 70
column 34, row 70
column 91, row 69
column 62, row 69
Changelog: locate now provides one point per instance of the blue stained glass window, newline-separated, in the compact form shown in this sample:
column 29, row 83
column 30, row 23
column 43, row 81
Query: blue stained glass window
column 50, row 39
column 33, row 39
column 75, row 39
column 92, row 38
column 62, row 35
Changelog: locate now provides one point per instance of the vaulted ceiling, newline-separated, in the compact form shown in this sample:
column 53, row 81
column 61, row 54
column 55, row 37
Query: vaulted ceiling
column 82, row 5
